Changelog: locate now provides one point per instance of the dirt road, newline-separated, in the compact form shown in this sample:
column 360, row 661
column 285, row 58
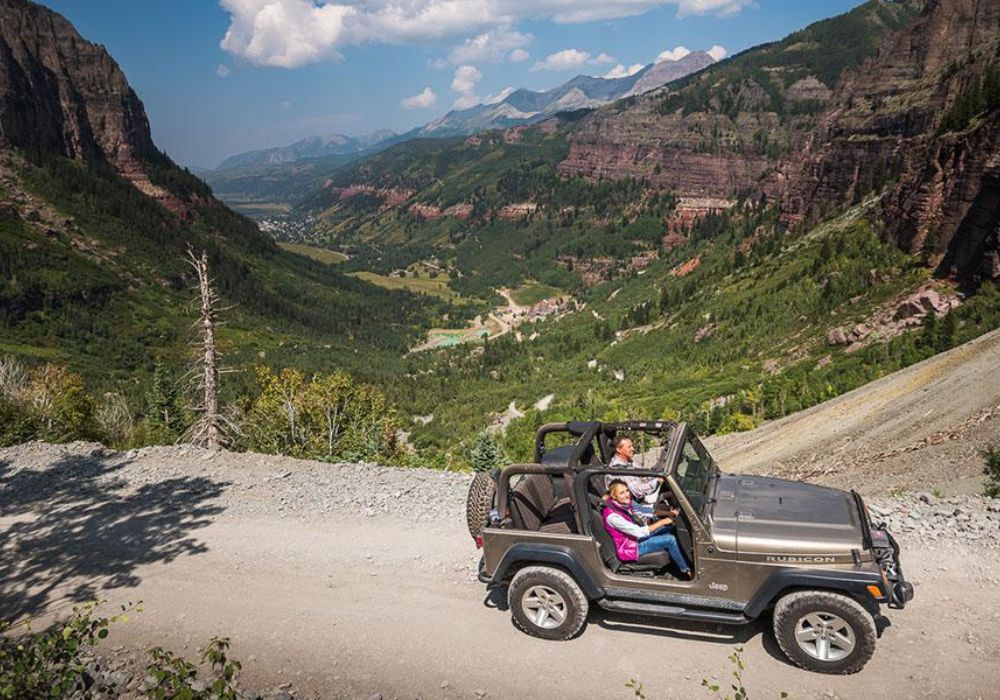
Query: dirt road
column 343, row 598
column 351, row 580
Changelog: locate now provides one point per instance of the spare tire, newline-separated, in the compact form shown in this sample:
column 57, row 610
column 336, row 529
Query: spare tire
column 479, row 502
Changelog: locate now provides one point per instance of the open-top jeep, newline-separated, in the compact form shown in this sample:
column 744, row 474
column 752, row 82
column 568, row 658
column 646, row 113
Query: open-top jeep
column 808, row 553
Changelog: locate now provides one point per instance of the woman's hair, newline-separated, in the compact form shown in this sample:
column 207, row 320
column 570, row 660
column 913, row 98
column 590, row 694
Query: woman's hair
column 612, row 485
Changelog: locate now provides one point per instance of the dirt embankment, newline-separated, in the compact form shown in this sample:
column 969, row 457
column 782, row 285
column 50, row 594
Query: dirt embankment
column 358, row 580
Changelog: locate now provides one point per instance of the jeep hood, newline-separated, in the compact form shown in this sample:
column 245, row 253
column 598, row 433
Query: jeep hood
column 773, row 516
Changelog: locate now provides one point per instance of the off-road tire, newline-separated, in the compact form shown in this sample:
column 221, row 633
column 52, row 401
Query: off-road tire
column 790, row 616
column 479, row 502
column 571, row 601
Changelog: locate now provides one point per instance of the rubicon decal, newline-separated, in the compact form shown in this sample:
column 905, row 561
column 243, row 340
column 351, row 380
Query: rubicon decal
column 802, row 560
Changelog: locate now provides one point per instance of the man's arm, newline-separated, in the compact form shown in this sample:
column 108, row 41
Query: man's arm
column 642, row 486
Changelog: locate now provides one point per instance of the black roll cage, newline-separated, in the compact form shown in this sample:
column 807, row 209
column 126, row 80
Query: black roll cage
column 586, row 431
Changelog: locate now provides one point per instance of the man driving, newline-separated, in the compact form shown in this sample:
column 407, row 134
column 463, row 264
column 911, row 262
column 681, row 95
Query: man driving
column 645, row 489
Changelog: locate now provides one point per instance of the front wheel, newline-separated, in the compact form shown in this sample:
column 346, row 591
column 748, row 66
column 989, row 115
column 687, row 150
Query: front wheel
column 824, row 632
column 547, row 603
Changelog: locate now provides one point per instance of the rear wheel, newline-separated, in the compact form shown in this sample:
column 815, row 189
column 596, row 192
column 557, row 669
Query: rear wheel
column 824, row 631
column 479, row 502
column 547, row 603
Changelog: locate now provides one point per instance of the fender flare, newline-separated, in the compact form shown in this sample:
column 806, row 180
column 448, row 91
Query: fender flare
column 563, row 557
column 853, row 583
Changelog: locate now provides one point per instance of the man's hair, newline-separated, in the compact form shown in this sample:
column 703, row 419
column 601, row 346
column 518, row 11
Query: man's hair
column 619, row 439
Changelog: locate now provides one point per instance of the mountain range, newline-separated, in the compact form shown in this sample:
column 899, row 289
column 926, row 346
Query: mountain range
column 582, row 92
column 281, row 175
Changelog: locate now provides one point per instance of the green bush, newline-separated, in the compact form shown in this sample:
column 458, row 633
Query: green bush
column 177, row 679
column 48, row 663
column 991, row 455
column 329, row 416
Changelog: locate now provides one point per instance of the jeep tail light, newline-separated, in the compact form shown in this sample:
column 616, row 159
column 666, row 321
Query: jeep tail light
column 479, row 541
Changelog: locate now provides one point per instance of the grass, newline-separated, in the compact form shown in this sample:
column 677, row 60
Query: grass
column 35, row 351
column 422, row 285
column 323, row 255
column 534, row 292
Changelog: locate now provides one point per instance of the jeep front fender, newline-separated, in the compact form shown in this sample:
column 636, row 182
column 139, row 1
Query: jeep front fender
column 527, row 553
column 854, row 583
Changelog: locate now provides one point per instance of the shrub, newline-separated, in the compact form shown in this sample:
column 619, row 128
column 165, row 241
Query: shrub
column 176, row 678
column 59, row 402
column 329, row 416
column 991, row 455
column 48, row 663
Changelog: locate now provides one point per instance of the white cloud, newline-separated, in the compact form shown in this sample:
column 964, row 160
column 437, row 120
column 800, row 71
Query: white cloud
column 601, row 59
column 284, row 33
column 620, row 71
column 675, row 54
column 499, row 97
column 720, row 8
column 717, row 52
column 518, row 55
column 464, row 83
column 466, row 101
column 465, row 79
column 286, row 104
column 491, row 47
column 566, row 59
column 293, row 33
column 425, row 99
column 222, row 71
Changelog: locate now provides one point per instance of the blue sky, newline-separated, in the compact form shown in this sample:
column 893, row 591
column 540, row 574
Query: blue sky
column 219, row 78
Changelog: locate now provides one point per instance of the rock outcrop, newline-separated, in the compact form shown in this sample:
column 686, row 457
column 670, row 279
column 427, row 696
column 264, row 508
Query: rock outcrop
column 884, row 124
column 81, row 105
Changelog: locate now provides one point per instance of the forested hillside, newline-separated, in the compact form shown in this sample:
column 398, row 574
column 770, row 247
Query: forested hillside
column 732, row 246
column 96, row 222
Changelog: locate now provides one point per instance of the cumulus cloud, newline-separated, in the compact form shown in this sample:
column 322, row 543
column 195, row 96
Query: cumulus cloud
column 425, row 99
column 675, row 54
column 222, row 71
column 499, row 97
column 284, row 33
column 293, row 33
column 566, row 59
column 621, row 71
column 601, row 59
column 465, row 79
column 720, row 8
column 490, row 47
column 518, row 55
column 464, row 83
column 717, row 52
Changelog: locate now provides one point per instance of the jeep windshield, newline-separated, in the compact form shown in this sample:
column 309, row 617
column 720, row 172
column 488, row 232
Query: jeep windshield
column 694, row 472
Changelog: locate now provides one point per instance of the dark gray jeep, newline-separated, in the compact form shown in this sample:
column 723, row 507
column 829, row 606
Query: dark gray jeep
column 807, row 553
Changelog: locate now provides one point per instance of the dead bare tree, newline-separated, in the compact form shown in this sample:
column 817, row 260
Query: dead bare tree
column 210, row 430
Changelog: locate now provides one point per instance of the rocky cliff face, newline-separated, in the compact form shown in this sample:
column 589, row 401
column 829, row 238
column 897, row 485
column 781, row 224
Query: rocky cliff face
column 884, row 126
column 60, row 93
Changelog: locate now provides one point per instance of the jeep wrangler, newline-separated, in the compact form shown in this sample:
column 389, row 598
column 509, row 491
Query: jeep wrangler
column 808, row 554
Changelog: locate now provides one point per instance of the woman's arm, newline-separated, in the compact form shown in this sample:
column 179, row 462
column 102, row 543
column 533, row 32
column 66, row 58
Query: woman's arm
column 657, row 524
column 623, row 524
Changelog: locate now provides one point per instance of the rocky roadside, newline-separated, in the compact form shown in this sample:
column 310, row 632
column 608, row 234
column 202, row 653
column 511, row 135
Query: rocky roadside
column 249, row 483
column 925, row 518
column 121, row 674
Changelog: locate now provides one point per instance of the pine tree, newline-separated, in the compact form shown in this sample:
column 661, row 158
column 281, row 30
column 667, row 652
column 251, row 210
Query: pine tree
column 486, row 454
column 164, row 401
